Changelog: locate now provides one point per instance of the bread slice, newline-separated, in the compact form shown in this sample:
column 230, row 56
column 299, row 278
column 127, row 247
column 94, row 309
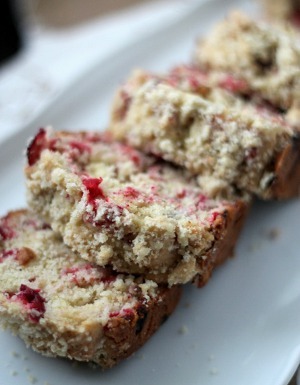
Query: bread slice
column 265, row 57
column 116, row 206
column 60, row 305
column 192, row 119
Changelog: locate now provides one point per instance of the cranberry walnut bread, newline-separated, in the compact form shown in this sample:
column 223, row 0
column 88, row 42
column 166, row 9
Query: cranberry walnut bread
column 264, row 57
column 116, row 206
column 62, row 306
column 193, row 119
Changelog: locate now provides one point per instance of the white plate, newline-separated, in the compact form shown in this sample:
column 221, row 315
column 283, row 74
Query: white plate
column 244, row 326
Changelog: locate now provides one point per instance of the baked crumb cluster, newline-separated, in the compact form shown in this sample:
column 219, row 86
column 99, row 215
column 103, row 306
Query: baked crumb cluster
column 58, row 302
column 194, row 119
column 265, row 57
column 116, row 206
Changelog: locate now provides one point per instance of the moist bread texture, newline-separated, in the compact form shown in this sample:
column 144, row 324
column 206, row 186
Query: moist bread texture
column 114, row 205
column 194, row 119
column 60, row 305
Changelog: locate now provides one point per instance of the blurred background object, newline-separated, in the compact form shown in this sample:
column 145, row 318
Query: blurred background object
column 63, row 41
column 10, row 37
column 59, row 14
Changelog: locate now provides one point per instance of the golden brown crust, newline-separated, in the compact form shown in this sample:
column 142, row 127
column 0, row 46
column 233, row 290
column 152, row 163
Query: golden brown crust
column 226, row 235
column 135, row 331
column 286, row 182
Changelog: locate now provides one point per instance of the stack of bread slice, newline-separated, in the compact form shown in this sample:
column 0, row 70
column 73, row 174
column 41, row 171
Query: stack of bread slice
column 119, row 221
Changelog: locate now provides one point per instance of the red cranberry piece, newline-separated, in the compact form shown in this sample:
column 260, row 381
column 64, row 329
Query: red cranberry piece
column 213, row 216
column 201, row 199
column 126, row 313
column 94, row 190
column 8, row 253
column 87, row 275
column 36, row 146
column 6, row 232
column 132, row 154
column 130, row 192
column 196, row 78
column 82, row 276
column 194, row 82
column 80, row 146
column 33, row 301
column 93, row 137
column 233, row 84
column 113, row 213
column 114, row 314
column 181, row 194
